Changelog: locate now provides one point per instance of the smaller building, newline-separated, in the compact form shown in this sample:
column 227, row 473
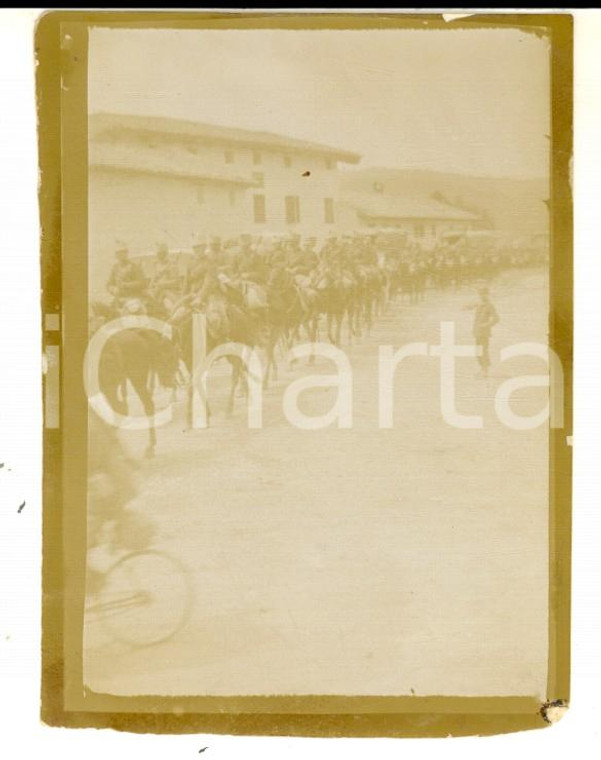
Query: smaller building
column 424, row 222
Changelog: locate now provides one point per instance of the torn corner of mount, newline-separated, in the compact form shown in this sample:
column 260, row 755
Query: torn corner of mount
column 455, row 16
column 553, row 712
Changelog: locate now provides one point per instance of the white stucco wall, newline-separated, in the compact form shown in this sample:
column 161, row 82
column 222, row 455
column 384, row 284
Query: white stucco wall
column 144, row 210
column 279, row 181
column 308, row 178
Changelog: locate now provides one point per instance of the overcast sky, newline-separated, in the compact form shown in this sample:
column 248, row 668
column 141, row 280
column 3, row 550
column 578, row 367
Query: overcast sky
column 474, row 102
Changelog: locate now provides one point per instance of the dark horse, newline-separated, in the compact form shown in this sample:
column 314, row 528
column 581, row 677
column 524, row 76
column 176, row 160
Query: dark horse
column 226, row 322
column 337, row 298
column 136, row 355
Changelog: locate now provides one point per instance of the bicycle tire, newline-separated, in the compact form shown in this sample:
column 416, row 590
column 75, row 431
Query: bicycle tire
column 133, row 592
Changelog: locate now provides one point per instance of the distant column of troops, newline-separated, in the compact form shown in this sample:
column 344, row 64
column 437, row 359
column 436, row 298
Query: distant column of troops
column 246, row 273
column 270, row 295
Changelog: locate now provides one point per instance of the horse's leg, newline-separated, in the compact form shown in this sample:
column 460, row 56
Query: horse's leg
column 329, row 323
column 278, row 337
column 358, row 321
column 235, row 378
column 346, row 314
column 189, row 406
column 182, row 379
column 352, row 314
column 351, row 309
column 140, row 384
column 270, row 348
column 116, row 402
column 121, row 392
column 312, row 328
column 351, row 317
column 190, row 390
column 152, row 381
column 290, row 338
column 294, row 333
column 241, row 382
column 233, row 385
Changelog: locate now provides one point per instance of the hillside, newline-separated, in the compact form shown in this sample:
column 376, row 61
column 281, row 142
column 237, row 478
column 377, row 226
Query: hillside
column 513, row 206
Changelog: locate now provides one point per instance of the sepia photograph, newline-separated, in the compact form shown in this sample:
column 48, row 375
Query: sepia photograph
column 321, row 376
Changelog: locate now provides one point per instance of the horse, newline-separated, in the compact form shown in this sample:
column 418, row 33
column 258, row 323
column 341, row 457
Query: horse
column 335, row 291
column 226, row 322
column 135, row 355
column 411, row 280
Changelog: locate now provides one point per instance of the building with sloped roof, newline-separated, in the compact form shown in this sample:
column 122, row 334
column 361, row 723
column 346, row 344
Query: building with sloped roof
column 156, row 180
column 424, row 221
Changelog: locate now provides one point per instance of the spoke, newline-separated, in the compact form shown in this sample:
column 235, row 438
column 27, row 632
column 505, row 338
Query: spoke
column 136, row 599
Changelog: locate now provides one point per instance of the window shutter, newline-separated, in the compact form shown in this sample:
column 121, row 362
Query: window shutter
column 259, row 208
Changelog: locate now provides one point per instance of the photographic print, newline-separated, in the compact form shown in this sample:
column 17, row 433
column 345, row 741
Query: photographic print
column 315, row 328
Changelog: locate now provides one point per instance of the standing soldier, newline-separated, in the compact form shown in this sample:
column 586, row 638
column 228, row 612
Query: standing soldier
column 485, row 318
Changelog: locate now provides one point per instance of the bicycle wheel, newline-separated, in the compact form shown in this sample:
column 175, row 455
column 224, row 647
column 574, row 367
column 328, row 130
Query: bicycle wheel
column 146, row 598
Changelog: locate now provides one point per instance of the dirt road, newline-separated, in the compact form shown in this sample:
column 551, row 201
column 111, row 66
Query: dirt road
column 360, row 561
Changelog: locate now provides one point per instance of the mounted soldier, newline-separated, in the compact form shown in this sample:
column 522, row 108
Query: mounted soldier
column 127, row 279
column 196, row 270
column 165, row 285
column 304, row 260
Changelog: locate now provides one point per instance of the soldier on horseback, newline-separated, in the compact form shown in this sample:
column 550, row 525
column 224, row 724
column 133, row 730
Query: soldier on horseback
column 303, row 260
column 126, row 279
column 165, row 283
column 256, row 267
column 196, row 270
